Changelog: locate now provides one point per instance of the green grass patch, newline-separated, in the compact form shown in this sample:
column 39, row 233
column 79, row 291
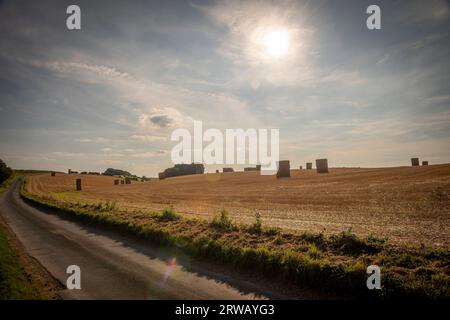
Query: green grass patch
column 222, row 221
column 14, row 282
column 168, row 214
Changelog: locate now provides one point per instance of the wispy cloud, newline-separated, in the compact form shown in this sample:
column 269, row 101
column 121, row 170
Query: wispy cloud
column 150, row 154
column 79, row 68
column 147, row 138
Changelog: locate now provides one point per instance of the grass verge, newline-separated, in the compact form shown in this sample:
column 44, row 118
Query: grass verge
column 333, row 264
column 20, row 277
column 14, row 281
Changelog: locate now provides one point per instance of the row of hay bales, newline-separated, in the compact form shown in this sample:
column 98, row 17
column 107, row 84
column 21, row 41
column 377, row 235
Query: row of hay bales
column 70, row 171
column 284, row 170
column 78, row 184
column 415, row 162
column 284, row 167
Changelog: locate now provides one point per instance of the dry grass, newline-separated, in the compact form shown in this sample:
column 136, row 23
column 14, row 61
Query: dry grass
column 408, row 205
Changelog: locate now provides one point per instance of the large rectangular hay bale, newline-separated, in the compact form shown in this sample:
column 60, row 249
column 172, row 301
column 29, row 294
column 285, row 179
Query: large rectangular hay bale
column 228, row 170
column 127, row 181
column 424, row 163
column 322, row 165
column 116, row 182
column 53, row 173
column 308, row 165
column 161, row 175
column 78, row 184
column 414, row 162
column 284, row 169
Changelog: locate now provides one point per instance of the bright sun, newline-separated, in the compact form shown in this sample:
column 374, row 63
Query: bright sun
column 276, row 43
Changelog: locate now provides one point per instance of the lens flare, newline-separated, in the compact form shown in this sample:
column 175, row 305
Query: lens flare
column 171, row 264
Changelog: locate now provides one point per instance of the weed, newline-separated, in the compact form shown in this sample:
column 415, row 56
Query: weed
column 223, row 221
column 256, row 227
column 168, row 214
column 313, row 251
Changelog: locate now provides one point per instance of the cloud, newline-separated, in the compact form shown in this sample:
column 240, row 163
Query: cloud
column 83, row 140
column 79, row 68
column 68, row 154
column 248, row 23
column 383, row 59
column 147, row 138
column 163, row 118
column 89, row 140
column 150, row 154
column 338, row 83
column 344, row 76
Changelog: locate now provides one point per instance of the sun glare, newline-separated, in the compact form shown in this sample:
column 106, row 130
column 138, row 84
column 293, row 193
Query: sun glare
column 276, row 43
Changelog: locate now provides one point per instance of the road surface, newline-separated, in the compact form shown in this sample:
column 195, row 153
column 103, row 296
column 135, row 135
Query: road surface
column 115, row 266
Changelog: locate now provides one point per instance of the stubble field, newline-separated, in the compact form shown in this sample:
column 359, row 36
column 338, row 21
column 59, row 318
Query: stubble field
column 407, row 205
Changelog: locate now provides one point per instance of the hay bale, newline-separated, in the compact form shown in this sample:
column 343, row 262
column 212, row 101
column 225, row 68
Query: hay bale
column 258, row 167
column 414, row 162
column 424, row 163
column 53, row 173
column 127, row 180
column 284, row 169
column 78, row 183
column 309, row 166
column 322, row 165
column 122, row 182
column 116, row 182
column 69, row 171
column 301, row 168
column 228, row 170
column 217, row 171
column 250, row 169
column 161, row 175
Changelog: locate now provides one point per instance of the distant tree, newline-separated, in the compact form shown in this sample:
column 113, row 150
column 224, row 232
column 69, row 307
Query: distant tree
column 117, row 172
column 5, row 171
column 184, row 169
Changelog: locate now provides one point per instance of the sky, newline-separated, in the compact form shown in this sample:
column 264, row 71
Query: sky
column 110, row 94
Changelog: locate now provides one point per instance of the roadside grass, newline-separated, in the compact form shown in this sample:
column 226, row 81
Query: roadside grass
column 14, row 281
column 334, row 263
column 7, row 183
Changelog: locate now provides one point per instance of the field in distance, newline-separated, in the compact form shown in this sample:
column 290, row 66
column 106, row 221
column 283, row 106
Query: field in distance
column 407, row 205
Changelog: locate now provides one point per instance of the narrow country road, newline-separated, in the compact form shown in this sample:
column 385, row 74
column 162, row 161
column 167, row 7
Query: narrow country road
column 114, row 266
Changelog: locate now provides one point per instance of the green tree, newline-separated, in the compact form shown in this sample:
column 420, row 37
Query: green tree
column 5, row 171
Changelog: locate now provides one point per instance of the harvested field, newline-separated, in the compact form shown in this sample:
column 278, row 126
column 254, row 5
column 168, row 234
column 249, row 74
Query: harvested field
column 408, row 205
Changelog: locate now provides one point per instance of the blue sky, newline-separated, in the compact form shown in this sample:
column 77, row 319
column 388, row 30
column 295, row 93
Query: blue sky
column 110, row 94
